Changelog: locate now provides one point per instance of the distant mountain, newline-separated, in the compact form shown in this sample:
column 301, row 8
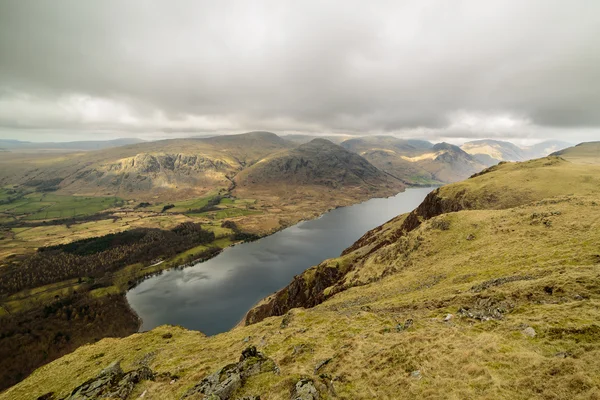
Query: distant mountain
column 317, row 163
column 416, row 162
column 491, row 152
column 495, row 150
column 301, row 139
column 544, row 149
column 163, row 169
column 85, row 145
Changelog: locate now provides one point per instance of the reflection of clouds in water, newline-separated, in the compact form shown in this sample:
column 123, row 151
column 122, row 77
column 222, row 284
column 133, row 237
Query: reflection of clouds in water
column 213, row 296
column 194, row 276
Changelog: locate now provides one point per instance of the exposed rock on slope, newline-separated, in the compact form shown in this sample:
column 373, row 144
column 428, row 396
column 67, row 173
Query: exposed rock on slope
column 416, row 162
column 319, row 162
column 491, row 152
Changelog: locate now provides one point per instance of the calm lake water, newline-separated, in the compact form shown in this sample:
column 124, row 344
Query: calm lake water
column 214, row 296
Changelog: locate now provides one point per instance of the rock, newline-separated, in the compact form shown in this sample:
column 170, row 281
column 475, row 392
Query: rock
column 408, row 323
column 529, row 332
column 321, row 364
column 246, row 339
column 416, row 374
column 224, row 382
column 47, row 396
column 285, row 321
column 304, row 390
column 470, row 236
column 448, row 317
column 111, row 382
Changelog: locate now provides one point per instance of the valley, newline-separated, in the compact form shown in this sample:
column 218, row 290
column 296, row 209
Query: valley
column 427, row 302
column 226, row 189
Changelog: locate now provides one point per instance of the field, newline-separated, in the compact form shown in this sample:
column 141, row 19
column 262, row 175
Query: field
column 37, row 206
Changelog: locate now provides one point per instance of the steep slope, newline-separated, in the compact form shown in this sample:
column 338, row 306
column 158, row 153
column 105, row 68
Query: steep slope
column 488, row 290
column 495, row 149
column 164, row 169
column 319, row 162
column 491, row 152
column 416, row 162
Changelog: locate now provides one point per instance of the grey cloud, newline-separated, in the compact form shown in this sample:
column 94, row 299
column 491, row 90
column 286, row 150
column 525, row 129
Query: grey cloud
column 346, row 66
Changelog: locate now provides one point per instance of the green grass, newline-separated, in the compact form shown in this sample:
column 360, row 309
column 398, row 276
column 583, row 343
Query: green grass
column 235, row 212
column 37, row 206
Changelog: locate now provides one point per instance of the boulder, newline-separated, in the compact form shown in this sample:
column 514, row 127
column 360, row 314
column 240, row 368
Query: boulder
column 111, row 383
column 223, row 383
column 304, row 390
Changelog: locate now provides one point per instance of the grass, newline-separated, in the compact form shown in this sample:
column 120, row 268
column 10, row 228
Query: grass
column 545, row 232
column 36, row 206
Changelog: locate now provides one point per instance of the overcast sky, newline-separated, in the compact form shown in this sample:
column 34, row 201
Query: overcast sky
column 518, row 70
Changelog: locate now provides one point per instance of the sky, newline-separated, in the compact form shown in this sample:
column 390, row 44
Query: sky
column 520, row 70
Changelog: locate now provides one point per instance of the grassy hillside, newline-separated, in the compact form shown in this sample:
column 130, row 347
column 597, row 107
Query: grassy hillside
column 490, row 289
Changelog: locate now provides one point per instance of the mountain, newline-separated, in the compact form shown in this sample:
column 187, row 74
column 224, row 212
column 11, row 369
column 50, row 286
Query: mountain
column 166, row 169
column 416, row 162
column 318, row 162
column 488, row 289
column 491, row 152
column 497, row 150
column 85, row 145
column 545, row 148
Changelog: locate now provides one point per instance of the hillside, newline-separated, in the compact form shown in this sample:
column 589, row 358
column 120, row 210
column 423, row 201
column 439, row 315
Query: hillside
column 491, row 152
column 489, row 289
column 416, row 162
column 166, row 169
column 319, row 170
column 584, row 153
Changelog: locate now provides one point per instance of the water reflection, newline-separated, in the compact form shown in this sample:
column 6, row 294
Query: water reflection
column 214, row 295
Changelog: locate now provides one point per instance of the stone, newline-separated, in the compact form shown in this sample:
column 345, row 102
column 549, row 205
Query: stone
column 448, row 317
column 416, row 374
column 304, row 390
column 471, row 237
column 321, row 364
column 529, row 332
column 246, row 339
column 223, row 383
column 111, row 382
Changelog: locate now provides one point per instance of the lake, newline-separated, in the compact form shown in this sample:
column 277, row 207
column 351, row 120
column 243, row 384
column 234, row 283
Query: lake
column 213, row 296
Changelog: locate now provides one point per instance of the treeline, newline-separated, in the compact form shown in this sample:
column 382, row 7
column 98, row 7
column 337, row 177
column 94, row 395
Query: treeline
column 96, row 257
column 36, row 337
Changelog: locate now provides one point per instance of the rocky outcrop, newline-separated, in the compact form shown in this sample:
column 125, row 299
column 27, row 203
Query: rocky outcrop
column 223, row 383
column 304, row 390
column 111, row 383
column 308, row 289
column 304, row 291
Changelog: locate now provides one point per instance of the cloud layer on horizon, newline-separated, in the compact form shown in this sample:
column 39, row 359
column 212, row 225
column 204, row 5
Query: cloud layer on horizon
column 434, row 69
